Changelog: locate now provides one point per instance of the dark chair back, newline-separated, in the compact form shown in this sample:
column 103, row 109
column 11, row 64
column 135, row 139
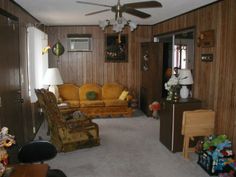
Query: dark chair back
column 37, row 151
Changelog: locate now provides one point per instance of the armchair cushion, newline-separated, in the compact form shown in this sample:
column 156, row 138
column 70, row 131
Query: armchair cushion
column 111, row 91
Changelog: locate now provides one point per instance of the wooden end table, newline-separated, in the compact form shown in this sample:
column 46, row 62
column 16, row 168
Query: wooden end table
column 29, row 170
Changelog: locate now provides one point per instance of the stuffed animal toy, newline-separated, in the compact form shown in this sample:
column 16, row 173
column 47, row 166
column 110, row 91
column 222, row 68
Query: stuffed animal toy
column 6, row 140
column 217, row 152
column 213, row 141
column 155, row 107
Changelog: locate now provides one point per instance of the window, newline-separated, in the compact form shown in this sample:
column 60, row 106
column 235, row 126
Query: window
column 37, row 62
column 180, row 56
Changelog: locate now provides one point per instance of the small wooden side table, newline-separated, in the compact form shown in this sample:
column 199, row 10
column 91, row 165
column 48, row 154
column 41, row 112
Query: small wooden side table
column 171, row 117
column 29, row 170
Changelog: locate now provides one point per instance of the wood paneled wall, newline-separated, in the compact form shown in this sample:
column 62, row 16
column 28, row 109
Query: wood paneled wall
column 24, row 18
column 214, row 82
column 90, row 67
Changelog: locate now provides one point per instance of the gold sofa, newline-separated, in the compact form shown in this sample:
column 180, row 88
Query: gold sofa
column 108, row 101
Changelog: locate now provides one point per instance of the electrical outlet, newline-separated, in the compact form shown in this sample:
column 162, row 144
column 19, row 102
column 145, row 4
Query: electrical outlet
column 207, row 57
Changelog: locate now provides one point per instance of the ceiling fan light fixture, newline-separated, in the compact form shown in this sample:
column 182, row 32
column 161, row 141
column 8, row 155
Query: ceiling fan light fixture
column 132, row 25
column 130, row 8
column 121, row 20
column 118, row 24
column 117, row 28
column 103, row 24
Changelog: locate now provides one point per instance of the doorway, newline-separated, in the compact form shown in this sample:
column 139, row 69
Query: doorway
column 178, row 51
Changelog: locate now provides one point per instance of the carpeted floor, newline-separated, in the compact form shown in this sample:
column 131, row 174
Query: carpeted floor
column 129, row 147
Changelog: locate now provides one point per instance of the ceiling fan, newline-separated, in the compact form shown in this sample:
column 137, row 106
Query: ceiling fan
column 130, row 8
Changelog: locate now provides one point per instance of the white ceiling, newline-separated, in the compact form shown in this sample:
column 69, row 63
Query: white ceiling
column 68, row 12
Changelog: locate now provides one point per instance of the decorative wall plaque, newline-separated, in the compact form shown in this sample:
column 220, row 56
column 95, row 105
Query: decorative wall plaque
column 206, row 39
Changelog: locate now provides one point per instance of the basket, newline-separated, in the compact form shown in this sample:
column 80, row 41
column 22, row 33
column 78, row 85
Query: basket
column 209, row 165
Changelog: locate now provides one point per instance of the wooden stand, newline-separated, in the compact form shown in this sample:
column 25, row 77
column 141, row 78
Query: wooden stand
column 171, row 115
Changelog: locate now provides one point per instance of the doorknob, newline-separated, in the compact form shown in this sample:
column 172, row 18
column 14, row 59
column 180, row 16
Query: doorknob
column 20, row 100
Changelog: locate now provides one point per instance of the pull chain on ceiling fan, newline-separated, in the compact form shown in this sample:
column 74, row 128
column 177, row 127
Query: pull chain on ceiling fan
column 119, row 21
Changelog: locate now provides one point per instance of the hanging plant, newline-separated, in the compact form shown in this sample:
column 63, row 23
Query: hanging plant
column 58, row 49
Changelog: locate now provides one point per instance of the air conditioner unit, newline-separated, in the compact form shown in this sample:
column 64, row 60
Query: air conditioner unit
column 78, row 43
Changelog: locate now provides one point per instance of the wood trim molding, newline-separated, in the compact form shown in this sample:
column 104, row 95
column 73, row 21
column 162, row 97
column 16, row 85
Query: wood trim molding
column 18, row 5
column 7, row 14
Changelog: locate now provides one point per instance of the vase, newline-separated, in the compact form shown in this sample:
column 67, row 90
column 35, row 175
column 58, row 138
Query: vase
column 176, row 95
column 169, row 96
column 173, row 94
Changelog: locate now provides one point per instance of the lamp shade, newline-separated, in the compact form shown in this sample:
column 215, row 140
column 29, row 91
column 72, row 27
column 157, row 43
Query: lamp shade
column 185, row 77
column 52, row 77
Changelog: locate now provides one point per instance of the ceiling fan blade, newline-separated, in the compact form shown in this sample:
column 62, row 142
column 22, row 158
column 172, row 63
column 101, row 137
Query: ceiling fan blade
column 137, row 13
column 91, row 3
column 100, row 11
column 145, row 4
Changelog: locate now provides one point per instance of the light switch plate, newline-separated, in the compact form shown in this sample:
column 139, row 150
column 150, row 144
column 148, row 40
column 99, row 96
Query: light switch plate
column 207, row 57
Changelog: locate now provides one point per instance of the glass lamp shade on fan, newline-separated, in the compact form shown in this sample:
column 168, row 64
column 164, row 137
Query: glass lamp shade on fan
column 185, row 78
column 53, row 78
column 118, row 24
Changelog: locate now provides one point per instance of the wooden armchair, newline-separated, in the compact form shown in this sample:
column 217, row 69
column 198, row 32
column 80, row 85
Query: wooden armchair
column 67, row 134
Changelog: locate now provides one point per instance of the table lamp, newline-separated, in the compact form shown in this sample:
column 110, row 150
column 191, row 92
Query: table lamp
column 53, row 78
column 185, row 78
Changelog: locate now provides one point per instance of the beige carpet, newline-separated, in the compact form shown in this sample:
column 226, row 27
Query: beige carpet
column 129, row 147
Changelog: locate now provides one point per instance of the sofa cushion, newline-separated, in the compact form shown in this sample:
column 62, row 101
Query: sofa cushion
column 73, row 103
column 111, row 91
column 89, row 87
column 91, row 103
column 115, row 102
column 69, row 91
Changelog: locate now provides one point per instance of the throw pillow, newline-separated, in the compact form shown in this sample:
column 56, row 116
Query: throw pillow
column 123, row 95
column 91, row 95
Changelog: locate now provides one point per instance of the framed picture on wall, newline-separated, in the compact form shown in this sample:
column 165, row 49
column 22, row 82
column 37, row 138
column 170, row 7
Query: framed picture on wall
column 116, row 48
